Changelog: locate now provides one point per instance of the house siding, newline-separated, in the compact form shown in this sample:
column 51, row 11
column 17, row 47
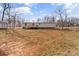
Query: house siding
column 42, row 24
column 3, row 24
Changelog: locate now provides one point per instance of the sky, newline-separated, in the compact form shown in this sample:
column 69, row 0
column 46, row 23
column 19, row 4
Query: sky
column 32, row 11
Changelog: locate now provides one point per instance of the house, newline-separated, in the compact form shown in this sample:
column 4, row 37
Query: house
column 39, row 25
column 3, row 25
column 9, row 25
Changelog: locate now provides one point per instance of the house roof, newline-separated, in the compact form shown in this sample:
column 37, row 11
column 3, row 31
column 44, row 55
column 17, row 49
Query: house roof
column 39, row 22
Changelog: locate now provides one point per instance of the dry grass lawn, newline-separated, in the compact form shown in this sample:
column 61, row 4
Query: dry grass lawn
column 39, row 42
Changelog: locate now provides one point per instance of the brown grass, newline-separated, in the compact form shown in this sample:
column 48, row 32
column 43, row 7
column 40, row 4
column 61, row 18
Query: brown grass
column 39, row 42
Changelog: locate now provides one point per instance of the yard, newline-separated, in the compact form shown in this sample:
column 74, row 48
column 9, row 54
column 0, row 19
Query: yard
column 39, row 42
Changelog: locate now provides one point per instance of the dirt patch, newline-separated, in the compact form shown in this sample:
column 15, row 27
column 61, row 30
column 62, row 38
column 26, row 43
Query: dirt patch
column 39, row 42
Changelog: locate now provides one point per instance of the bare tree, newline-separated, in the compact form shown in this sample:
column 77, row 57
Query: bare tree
column 46, row 19
column 38, row 20
column 6, row 6
column 19, row 23
column 67, row 19
column 60, row 13
column 14, row 20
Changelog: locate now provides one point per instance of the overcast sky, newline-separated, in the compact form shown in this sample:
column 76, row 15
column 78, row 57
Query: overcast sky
column 37, row 10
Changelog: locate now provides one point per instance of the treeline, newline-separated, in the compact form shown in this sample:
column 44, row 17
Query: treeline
column 60, row 17
column 9, row 15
